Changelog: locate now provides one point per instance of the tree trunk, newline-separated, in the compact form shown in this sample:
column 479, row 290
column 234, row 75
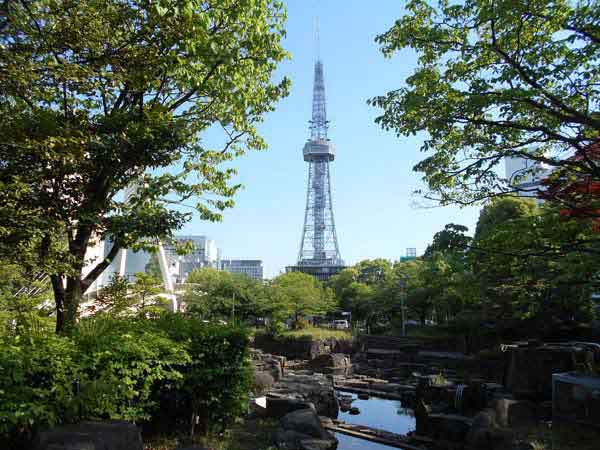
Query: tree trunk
column 59, row 300
column 67, row 300
column 73, row 296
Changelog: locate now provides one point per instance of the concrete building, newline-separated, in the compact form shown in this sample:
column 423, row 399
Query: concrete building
column 204, row 254
column 525, row 175
column 251, row 267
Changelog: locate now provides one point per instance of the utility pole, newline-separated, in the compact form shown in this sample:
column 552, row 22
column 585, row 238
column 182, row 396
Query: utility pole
column 402, row 286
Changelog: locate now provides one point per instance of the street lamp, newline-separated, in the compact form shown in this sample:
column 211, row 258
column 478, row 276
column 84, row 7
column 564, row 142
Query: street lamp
column 402, row 286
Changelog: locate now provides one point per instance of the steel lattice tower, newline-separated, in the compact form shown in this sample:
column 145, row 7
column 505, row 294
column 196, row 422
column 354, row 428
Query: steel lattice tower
column 319, row 252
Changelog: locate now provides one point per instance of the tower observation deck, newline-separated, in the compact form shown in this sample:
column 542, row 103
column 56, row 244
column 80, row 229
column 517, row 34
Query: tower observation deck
column 319, row 253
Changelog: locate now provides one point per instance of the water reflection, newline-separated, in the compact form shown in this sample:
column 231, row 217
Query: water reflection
column 351, row 443
column 379, row 413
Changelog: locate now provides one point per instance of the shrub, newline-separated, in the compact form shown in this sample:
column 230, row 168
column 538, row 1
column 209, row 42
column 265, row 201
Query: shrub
column 112, row 368
column 120, row 362
column 216, row 384
column 36, row 383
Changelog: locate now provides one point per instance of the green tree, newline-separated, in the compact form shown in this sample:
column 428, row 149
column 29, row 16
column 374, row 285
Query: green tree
column 451, row 239
column 344, row 285
column 373, row 271
column 153, row 266
column 522, row 270
column 496, row 78
column 218, row 294
column 24, row 302
column 502, row 210
column 98, row 95
column 302, row 295
column 145, row 291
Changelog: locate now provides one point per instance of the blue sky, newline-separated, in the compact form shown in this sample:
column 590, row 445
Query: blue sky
column 372, row 175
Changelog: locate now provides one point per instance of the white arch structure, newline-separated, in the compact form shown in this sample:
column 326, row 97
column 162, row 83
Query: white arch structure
column 162, row 261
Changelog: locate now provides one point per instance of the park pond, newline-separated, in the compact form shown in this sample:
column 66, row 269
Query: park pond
column 378, row 413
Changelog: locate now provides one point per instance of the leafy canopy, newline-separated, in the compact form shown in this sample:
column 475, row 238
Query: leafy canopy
column 496, row 78
column 104, row 96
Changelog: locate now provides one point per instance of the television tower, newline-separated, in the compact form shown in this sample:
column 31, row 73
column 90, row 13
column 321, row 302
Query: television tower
column 319, row 253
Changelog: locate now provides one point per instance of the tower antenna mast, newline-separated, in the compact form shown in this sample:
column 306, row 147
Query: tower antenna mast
column 319, row 254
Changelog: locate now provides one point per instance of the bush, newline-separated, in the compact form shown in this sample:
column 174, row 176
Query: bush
column 121, row 361
column 216, row 384
column 36, row 384
column 111, row 368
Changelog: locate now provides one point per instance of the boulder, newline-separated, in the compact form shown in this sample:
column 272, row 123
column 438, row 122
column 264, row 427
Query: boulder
column 293, row 440
column 515, row 413
column 309, row 387
column 450, row 427
column 305, row 421
column 272, row 364
column 485, row 434
column 279, row 407
column 262, row 381
column 490, row 439
column 112, row 435
column 289, row 439
column 530, row 369
column 345, row 404
column 330, row 361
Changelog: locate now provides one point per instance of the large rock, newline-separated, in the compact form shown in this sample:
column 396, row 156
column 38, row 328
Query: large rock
column 304, row 421
column 278, row 407
column 515, row 413
column 272, row 364
column 485, row 434
column 292, row 440
column 330, row 361
column 309, row 387
column 449, row 427
column 113, row 435
column 302, row 430
column 303, row 347
column 262, row 381
column 529, row 371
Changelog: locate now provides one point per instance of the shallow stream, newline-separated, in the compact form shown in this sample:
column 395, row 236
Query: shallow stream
column 378, row 413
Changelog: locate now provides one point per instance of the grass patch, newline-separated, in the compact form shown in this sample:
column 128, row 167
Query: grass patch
column 318, row 333
column 247, row 434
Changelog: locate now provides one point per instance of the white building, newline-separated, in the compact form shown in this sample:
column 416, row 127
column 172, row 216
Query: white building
column 525, row 175
column 204, row 254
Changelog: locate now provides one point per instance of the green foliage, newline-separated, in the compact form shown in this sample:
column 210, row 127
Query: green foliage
column 123, row 360
column 152, row 268
column 365, row 290
column 113, row 98
column 373, row 271
column 23, row 303
column 451, row 239
column 120, row 298
column 534, row 277
column 216, row 384
column 494, row 79
column 37, row 376
column 217, row 294
column 301, row 294
column 316, row 333
column 123, row 368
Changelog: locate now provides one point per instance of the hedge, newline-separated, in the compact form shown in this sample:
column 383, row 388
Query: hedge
column 131, row 369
